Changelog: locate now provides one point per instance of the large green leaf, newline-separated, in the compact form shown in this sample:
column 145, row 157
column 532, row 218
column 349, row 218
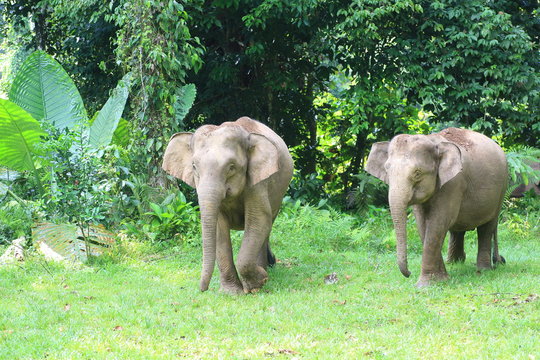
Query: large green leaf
column 64, row 241
column 44, row 89
column 103, row 127
column 20, row 132
column 121, row 134
column 185, row 96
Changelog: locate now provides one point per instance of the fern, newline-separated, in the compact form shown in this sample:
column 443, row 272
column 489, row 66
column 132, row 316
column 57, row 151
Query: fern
column 519, row 161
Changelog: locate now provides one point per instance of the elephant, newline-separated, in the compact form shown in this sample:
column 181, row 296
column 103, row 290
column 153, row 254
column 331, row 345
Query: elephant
column 521, row 189
column 241, row 171
column 455, row 181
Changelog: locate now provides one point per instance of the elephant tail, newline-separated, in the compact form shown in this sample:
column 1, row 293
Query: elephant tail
column 497, row 258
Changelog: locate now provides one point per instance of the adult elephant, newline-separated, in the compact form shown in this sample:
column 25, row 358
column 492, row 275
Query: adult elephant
column 241, row 171
column 455, row 180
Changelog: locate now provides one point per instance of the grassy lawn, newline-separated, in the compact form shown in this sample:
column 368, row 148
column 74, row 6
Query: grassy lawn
column 142, row 305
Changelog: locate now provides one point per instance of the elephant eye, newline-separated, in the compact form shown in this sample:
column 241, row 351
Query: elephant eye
column 194, row 167
column 231, row 168
column 417, row 174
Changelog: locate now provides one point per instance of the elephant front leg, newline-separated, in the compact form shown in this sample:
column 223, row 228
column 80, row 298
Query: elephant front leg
column 433, row 268
column 252, row 269
column 229, row 280
column 456, row 247
column 250, row 265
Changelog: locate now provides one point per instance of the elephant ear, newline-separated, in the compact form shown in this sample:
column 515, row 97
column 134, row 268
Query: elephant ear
column 177, row 158
column 376, row 160
column 450, row 162
column 263, row 158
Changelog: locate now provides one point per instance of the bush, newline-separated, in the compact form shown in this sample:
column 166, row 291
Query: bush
column 369, row 192
column 520, row 159
column 82, row 184
column 173, row 220
column 15, row 221
column 306, row 189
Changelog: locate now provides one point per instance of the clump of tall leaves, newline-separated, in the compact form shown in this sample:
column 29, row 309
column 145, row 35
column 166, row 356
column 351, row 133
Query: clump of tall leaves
column 46, row 131
column 43, row 94
column 173, row 218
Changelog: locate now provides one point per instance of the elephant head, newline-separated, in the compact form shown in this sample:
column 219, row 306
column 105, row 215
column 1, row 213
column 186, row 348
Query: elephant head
column 221, row 163
column 414, row 167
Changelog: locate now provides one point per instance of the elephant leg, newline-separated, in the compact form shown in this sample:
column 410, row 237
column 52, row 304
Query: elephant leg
column 433, row 268
column 438, row 215
column 485, row 236
column 420, row 221
column 258, row 223
column 229, row 280
column 456, row 247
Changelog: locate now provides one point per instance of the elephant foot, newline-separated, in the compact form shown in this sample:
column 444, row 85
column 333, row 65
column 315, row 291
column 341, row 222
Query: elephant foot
column 253, row 278
column 426, row 280
column 456, row 258
column 231, row 289
column 483, row 266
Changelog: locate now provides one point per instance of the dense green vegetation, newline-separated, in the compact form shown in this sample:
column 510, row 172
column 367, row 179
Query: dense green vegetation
column 331, row 77
column 91, row 91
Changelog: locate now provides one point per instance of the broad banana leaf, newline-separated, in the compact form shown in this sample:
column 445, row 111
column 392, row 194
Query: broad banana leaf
column 121, row 134
column 66, row 241
column 185, row 96
column 106, row 122
column 19, row 134
column 44, row 89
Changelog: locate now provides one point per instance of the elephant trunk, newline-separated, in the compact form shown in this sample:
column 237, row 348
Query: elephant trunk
column 398, row 208
column 209, row 205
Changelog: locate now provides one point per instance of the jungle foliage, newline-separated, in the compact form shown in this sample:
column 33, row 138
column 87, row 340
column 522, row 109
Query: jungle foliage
column 330, row 76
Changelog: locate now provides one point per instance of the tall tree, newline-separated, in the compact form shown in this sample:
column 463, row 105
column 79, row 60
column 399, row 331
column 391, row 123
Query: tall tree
column 263, row 59
column 470, row 64
column 371, row 107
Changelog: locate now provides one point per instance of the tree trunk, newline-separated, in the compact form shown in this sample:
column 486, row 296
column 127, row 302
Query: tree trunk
column 311, row 166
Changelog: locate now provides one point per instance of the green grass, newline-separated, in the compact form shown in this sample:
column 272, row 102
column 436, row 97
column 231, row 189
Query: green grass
column 139, row 305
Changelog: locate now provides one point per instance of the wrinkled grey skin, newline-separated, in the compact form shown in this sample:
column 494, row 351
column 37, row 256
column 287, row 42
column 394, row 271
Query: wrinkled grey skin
column 455, row 180
column 241, row 171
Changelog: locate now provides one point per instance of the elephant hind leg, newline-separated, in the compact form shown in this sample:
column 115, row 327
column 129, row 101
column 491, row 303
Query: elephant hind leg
column 456, row 247
column 266, row 257
column 486, row 233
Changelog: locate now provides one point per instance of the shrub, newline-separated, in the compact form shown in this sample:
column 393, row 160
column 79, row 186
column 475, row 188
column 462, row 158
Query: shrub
column 15, row 221
column 173, row 220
